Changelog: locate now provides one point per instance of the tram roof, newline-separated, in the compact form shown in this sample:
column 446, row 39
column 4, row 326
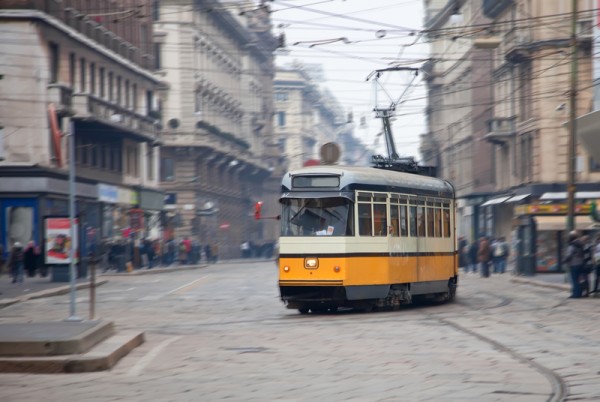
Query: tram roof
column 373, row 179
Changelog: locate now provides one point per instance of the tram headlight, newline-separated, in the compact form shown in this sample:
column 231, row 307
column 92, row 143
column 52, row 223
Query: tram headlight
column 337, row 268
column 286, row 269
column 311, row 263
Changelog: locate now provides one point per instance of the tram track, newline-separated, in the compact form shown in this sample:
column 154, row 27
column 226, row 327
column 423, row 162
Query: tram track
column 559, row 388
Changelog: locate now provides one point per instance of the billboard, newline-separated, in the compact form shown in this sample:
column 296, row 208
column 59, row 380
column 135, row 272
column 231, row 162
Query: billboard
column 57, row 240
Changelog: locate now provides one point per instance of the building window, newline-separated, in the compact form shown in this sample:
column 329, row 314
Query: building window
column 111, row 90
column 93, row 78
column 281, row 119
column 102, row 83
column 167, row 169
column 72, row 68
column 54, row 62
column 594, row 165
column 150, row 164
column 134, row 94
column 155, row 10
column 198, row 103
column 281, row 96
column 157, row 58
column 127, row 94
column 82, row 75
column 149, row 102
column 119, row 91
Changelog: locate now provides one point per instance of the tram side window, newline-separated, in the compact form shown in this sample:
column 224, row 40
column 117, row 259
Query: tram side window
column 421, row 232
column 438, row 222
column 413, row 220
column 403, row 221
column 394, row 223
column 380, row 219
column 430, row 222
column 446, row 223
column 364, row 220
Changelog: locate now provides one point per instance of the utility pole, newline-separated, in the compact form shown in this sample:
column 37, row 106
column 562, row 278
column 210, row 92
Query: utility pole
column 571, row 143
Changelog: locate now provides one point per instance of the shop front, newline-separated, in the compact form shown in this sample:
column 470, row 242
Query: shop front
column 541, row 231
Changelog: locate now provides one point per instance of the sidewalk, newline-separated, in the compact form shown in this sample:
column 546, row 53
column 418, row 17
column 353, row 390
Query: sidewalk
column 37, row 287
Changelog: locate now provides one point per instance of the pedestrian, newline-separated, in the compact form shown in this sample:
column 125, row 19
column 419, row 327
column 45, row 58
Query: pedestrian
column 596, row 266
column 574, row 259
column 588, row 265
column 208, row 252
column 462, row 261
column 473, row 251
column 245, row 248
column 31, row 257
column 500, row 254
column 16, row 262
column 484, row 256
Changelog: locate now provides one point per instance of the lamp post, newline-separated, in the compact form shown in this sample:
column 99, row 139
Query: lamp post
column 72, row 223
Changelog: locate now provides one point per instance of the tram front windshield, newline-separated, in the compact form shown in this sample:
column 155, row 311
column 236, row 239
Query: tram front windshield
column 317, row 217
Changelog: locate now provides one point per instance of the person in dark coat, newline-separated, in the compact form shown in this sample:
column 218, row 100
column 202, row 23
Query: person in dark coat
column 473, row 250
column 16, row 262
column 31, row 259
column 484, row 256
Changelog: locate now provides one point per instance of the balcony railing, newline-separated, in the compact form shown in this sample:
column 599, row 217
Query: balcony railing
column 500, row 130
column 89, row 106
column 60, row 95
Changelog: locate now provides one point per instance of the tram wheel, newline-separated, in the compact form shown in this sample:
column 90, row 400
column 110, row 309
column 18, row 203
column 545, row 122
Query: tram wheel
column 451, row 295
column 304, row 310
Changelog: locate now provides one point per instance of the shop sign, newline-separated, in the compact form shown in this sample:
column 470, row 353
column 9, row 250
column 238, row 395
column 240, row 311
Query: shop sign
column 124, row 196
column 107, row 193
column 550, row 209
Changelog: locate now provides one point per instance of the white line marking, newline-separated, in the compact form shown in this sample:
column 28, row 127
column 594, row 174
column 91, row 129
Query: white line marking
column 147, row 359
column 130, row 289
column 186, row 285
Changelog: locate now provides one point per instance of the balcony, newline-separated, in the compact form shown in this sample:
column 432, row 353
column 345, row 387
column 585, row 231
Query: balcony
column 89, row 107
column 60, row 95
column 500, row 130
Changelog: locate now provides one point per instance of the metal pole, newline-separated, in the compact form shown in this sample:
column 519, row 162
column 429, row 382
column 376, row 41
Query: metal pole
column 572, row 127
column 73, row 248
column 92, row 287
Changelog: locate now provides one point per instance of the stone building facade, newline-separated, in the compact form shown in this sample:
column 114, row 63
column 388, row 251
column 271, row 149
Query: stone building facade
column 219, row 154
column 528, row 131
column 78, row 70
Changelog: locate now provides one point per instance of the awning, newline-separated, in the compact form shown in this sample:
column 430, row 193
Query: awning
column 560, row 223
column 495, row 201
column 517, row 198
column 579, row 195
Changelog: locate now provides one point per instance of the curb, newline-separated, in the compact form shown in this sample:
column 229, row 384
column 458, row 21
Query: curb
column 153, row 271
column 48, row 293
column 102, row 357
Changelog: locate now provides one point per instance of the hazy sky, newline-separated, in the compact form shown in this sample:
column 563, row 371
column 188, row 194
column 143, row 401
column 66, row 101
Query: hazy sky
column 366, row 35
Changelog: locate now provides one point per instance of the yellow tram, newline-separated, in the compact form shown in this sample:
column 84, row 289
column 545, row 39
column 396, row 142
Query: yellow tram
column 363, row 238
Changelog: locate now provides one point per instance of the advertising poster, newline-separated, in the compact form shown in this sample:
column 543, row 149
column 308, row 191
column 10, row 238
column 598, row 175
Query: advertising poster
column 58, row 240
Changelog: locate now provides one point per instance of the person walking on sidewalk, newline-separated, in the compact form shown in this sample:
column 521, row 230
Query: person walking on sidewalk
column 500, row 250
column 574, row 258
column 15, row 263
column 473, row 253
column 484, row 256
column 596, row 266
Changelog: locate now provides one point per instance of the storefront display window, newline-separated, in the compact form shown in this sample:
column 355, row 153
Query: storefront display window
column 547, row 251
